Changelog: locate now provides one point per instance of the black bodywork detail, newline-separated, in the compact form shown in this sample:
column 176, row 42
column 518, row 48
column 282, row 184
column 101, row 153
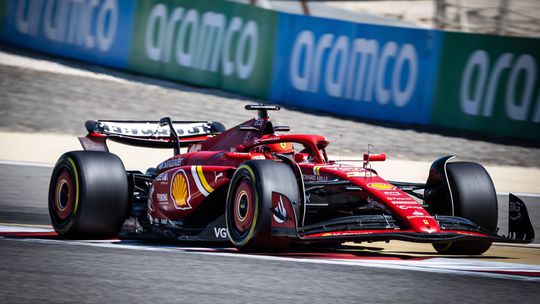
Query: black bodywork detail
column 437, row 193
column 209, row 210
column 355, row 222
column 300, row 206
column 173, row 136
column 519, row 223
column 458, row 223
column 334, row 182
column 282, row 128
column 215, row 231
column 138, row 185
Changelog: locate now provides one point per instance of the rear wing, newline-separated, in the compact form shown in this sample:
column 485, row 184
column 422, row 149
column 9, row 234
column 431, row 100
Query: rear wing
column 151, row 134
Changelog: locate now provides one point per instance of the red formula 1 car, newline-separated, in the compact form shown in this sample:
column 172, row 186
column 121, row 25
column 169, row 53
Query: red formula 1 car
column 262, row 190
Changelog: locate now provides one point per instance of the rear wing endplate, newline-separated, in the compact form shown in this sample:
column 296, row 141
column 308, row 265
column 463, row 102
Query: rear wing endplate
column 147, row 133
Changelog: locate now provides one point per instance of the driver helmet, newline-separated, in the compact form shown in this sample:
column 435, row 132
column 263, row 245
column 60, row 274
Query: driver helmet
column 285, row 148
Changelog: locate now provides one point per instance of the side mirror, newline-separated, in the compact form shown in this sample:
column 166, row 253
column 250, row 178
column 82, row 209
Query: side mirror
column 374, row 157
column 282, row 128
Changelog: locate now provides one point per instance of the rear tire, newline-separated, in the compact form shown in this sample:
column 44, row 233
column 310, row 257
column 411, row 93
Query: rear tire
column 249, row 202
column 88, row 195
column 474, row 199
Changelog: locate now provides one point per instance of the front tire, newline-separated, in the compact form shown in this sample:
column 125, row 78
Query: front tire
column 88, row 195
column 249, row 202
column 475, row 199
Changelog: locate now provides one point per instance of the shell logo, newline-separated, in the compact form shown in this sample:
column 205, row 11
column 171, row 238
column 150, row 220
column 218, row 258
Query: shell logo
column 180, row 191
column 381, row 186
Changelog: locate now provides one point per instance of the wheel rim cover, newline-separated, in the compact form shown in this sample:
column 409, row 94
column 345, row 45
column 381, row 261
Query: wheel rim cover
column 64, row 195
column 244, row 207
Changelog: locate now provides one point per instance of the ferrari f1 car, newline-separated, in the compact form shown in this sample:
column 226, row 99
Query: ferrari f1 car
column 260, row 189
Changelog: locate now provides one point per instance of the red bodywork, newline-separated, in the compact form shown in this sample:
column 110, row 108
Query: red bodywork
column 186, row 180
column 186, row 193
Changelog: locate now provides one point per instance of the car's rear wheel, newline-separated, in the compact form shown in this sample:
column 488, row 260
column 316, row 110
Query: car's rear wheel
column 475, row 199
column 249, row 202
column 88, row 195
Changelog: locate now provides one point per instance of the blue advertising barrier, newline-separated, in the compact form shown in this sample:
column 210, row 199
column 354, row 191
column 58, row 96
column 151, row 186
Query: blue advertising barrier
column 359, row 70
column 95, row 31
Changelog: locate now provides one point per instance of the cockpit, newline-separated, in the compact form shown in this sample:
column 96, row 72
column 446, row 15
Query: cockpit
column 300, row 151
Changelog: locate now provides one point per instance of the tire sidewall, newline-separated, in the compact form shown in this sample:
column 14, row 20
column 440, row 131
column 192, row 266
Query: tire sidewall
column 461, row 176
column 483, row 210
column 262, row 174
column 101, row 193
column 244, row 172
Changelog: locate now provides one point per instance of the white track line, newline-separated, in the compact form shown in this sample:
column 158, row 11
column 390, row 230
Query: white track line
column 25, row 163
column 520, row 194
column 535, row 246
column 436, row 265
column 14, row 228
column 6, row 226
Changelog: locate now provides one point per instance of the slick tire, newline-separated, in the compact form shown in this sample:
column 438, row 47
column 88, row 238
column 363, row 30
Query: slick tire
column 474, row 199
column 248, row 212
column 88, row 195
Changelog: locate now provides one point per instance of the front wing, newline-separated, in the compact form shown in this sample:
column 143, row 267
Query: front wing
column 384, row 228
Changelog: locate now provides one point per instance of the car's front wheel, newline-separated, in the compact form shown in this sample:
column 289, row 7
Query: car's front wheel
column 249, row 202
column 475, row 199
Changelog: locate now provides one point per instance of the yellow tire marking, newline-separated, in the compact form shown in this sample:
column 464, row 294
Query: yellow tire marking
column 76, row 185
column 256, row 211
column 76, row 174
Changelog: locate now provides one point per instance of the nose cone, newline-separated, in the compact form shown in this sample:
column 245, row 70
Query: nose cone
column 426, row 224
